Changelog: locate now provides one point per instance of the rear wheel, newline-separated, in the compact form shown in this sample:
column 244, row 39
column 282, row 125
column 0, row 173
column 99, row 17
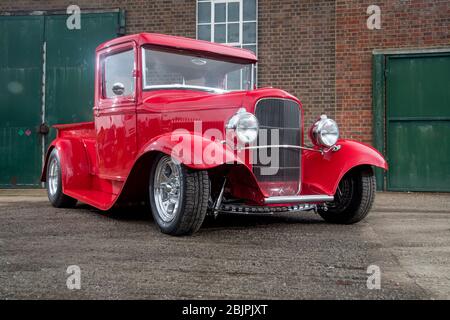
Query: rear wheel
column 54, row 183
column 353, row 199
column 178, row 196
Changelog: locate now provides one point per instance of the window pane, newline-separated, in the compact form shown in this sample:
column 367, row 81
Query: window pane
column 118, row 68
column 204, row 12
column 233, row 32
column 183, row 70
column 247, row 78
column 249, row 32
column 250, row 47
column 204, row 32
column 160, row 72
column 233, row 11
column 249, row 10
column 219, row 12
column 234, row 80
column 219, row 33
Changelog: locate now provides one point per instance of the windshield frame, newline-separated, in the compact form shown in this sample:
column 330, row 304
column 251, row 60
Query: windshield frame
column 184, row 86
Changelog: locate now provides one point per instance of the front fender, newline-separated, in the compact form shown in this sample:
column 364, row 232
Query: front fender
column 194, row 151
column 322, row 173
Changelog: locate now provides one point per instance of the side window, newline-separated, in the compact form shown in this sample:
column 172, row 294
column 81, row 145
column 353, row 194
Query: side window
column 118, row 77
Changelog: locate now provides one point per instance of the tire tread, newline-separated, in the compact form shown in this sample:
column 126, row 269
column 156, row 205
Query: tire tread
column 197, row 194
column 361, row 203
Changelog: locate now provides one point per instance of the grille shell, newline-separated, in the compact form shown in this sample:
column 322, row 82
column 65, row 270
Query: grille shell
column 283, row 115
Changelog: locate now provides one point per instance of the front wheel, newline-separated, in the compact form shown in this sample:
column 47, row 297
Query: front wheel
column 178, row 196
column 353, row 199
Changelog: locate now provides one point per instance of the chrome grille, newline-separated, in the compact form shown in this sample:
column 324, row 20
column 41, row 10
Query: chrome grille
column 280, row 116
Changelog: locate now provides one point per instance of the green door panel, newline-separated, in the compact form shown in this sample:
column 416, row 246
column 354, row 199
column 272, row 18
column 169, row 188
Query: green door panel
column 419, row 87
column 70, row 63
column 418, row 122
column 21, row 39
column 419, row 155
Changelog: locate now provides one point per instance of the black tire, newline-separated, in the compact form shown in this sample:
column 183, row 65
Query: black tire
column 353, row 199
column 58, row 199
column 193, row 204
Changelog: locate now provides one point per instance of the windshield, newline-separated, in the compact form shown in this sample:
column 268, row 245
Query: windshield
column 163, row 69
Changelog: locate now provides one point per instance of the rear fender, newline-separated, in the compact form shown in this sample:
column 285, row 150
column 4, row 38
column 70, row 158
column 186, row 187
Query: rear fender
column 73, row 160
column 322, row 173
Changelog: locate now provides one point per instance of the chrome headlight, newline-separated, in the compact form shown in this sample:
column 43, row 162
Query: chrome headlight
column 324, row 132
column 245, row 126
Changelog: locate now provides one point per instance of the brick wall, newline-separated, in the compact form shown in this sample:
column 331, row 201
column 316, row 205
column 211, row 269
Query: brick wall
column 296, row 52
column 405, row 24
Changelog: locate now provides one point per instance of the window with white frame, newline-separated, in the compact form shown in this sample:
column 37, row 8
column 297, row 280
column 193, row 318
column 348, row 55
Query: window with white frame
column 230, row 22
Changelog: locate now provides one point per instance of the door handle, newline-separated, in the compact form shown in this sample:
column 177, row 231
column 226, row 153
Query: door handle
column 44, row 129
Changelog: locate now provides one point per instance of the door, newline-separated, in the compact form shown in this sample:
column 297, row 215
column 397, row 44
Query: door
column 418, row 122
column 21, row 41
column 116, row 112
column 48, row 72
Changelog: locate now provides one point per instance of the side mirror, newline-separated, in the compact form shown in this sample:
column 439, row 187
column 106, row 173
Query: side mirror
column 118, row 88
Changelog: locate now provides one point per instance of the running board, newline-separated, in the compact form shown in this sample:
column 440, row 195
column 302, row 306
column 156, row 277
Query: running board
column 248, row 210
column 316, row 198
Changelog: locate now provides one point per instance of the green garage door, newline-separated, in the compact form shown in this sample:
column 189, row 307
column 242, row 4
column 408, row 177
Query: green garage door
column 418, row 122
column 21, row 41
column 28, row 44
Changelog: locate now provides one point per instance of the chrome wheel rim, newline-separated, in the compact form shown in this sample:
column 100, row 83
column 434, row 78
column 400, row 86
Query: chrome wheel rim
column 53, row 177
column 167, row 189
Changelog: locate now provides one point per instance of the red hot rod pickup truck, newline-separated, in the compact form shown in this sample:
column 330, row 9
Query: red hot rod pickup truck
column 179, row 123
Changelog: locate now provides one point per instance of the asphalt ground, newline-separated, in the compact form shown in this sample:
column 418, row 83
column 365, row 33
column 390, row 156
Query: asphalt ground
column 122, row 255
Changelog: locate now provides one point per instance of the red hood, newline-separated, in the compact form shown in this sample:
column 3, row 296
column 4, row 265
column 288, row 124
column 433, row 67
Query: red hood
column 193, row 100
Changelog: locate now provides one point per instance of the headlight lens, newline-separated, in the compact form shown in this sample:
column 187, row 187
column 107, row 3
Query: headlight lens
column 245, row 125
column 325, row 132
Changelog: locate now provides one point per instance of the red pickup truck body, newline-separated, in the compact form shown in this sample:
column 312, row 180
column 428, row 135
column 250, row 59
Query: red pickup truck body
column 109, row 160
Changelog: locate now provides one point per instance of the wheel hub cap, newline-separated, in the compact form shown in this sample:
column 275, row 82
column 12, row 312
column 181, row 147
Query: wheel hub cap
column 167, row 188
column 53, row 177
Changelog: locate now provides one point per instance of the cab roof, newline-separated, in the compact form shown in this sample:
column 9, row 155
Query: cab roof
column 181, row 43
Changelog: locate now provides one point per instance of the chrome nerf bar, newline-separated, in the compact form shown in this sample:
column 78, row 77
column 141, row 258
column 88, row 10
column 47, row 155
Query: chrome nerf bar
column 299, row 199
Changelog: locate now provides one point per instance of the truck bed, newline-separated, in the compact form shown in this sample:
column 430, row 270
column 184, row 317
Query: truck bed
column 80, row 130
